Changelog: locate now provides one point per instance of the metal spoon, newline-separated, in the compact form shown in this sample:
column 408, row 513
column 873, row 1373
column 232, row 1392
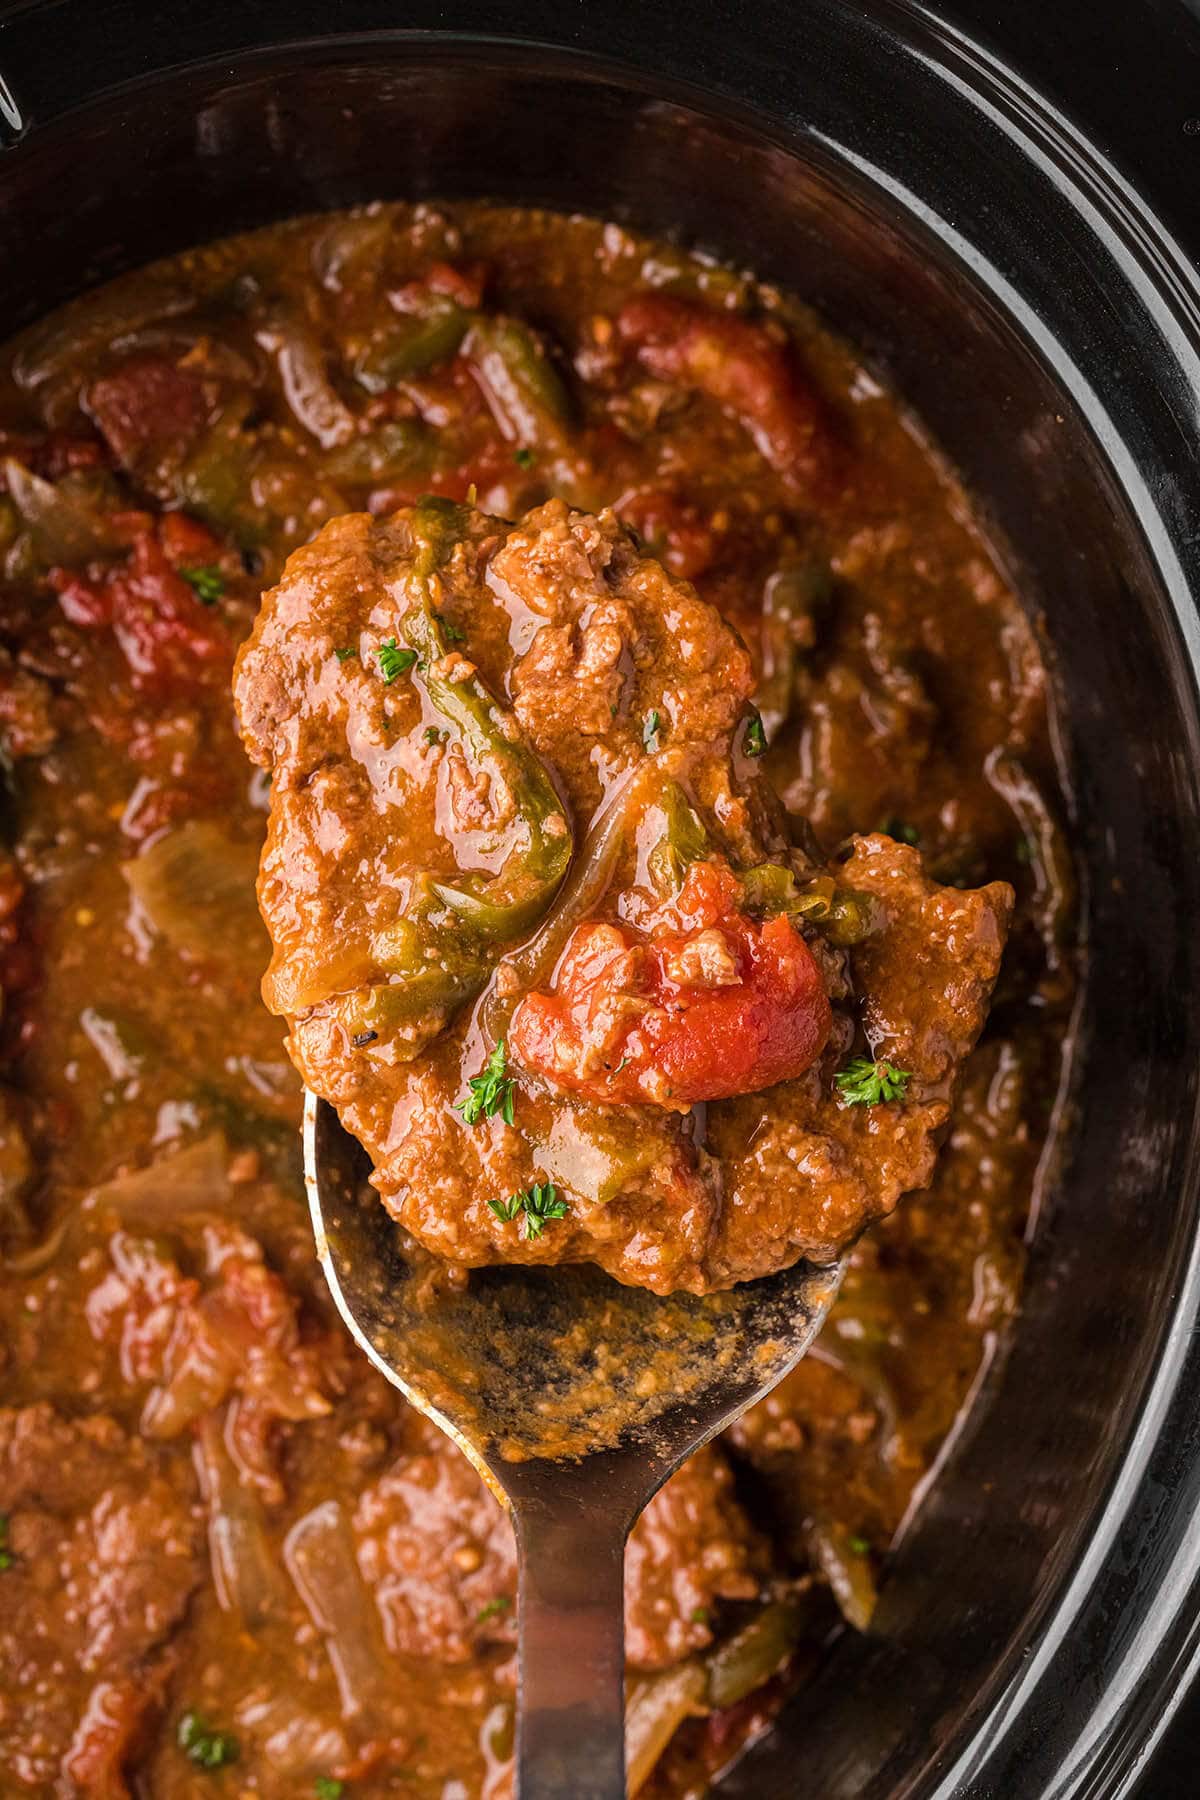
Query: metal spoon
column 575, row 1398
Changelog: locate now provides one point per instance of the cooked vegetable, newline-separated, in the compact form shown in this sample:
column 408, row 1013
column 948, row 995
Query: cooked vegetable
column 397, row 448
column 210, row 1749
column 196, row 887
column 520, row 383
column 66, row 527
column 320, row 1559
column 491, row 1092
column 840, row 914
column 655, row 1707
column 651, row 727
column 187, row 1181
column 756, row 1652
column 509, row 902
column 866, row 1083
column 245, row 1570
column 413, row 343
column 312, row 397
column 6, row 1556
column 685, row 840
column 792, row 600
column 847, row 1570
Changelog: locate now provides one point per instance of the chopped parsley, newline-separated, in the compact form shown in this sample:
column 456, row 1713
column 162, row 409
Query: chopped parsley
column 490, row 1092
column 452, row 633
column 210, row 1749
column 207, row 583
column 327, row 1787
column 524, row 458
column 393, row 662
column 700, row 1615
column 347, row 651
column 434, row 736
column 651, row 727
column 7, row 1559
column 756, row 736
column 1026, row 850
column 540, row 1204
column 900, row 830
column 866, row 1083
column 494, row 1609
column 508, row 1209
column 858, row 1545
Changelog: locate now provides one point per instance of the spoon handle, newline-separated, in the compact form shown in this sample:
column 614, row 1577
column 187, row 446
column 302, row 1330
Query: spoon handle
column 571, row 1621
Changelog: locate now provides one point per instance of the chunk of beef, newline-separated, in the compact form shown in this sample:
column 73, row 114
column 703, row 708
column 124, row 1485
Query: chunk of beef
column 417, row 835
column 105, row 1550
column 437, row 1549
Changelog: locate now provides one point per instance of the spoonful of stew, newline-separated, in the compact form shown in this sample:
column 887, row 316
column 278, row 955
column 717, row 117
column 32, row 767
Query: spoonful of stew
column 606, row 1063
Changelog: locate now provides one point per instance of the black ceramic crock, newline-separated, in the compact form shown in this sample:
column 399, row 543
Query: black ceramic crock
column 988, row 251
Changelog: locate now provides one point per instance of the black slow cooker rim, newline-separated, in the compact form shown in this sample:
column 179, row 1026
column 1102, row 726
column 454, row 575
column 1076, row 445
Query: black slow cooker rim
column 1139, row 1686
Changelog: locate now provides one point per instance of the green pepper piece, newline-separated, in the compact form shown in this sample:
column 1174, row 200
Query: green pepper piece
column 755, row 1653
column 397, row 448
column 413, row 343
column 503, row 905
column 843, row 915
column 685, row 840
column 525, row 391
column 793, row 598
column 443, row 951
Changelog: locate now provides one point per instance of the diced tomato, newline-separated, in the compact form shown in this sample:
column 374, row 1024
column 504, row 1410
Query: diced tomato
column 673, row 529
column 465, row 285
column 738, row 364
column 148, row 408
column 168, row 638
column 710, row 1004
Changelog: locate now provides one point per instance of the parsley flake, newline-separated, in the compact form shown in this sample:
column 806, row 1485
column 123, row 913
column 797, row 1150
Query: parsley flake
column 210, row 1749
column 207, row 583
column 700, row 1615
column 452, row 633
column 858, row 1545
column 346, row 652
column 393, row 662
column 651, row 727
column 7, row 1559
column 494, row 1609
column 434, row 736
column 491, row 1092
column 524, row 458
column 541, row 1204
column 900, row 830
column 756, row 736
column 327, row 1787
column 866, row 1083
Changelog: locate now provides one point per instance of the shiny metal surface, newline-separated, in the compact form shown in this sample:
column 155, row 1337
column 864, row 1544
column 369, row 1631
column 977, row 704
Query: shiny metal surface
column 576, row 1398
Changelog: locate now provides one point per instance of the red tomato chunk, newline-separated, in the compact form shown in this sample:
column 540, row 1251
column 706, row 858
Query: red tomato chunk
column 711, row 1004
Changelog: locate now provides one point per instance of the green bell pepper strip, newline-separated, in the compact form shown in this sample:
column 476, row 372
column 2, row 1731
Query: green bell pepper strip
column 520, row 383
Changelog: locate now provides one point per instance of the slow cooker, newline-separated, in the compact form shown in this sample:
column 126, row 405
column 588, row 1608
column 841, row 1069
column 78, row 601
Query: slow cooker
column 997, row 227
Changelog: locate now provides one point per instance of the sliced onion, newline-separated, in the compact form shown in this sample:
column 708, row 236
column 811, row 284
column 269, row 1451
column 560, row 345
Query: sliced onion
column 64, row 528
column 655, row 1707
column 307, row 388
column 196, row 887
column 319, row 1554
column 191, row 1180
column 246, row 1574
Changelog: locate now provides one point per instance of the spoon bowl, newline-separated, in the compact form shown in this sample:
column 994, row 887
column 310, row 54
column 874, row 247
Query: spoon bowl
column 575, row 1397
